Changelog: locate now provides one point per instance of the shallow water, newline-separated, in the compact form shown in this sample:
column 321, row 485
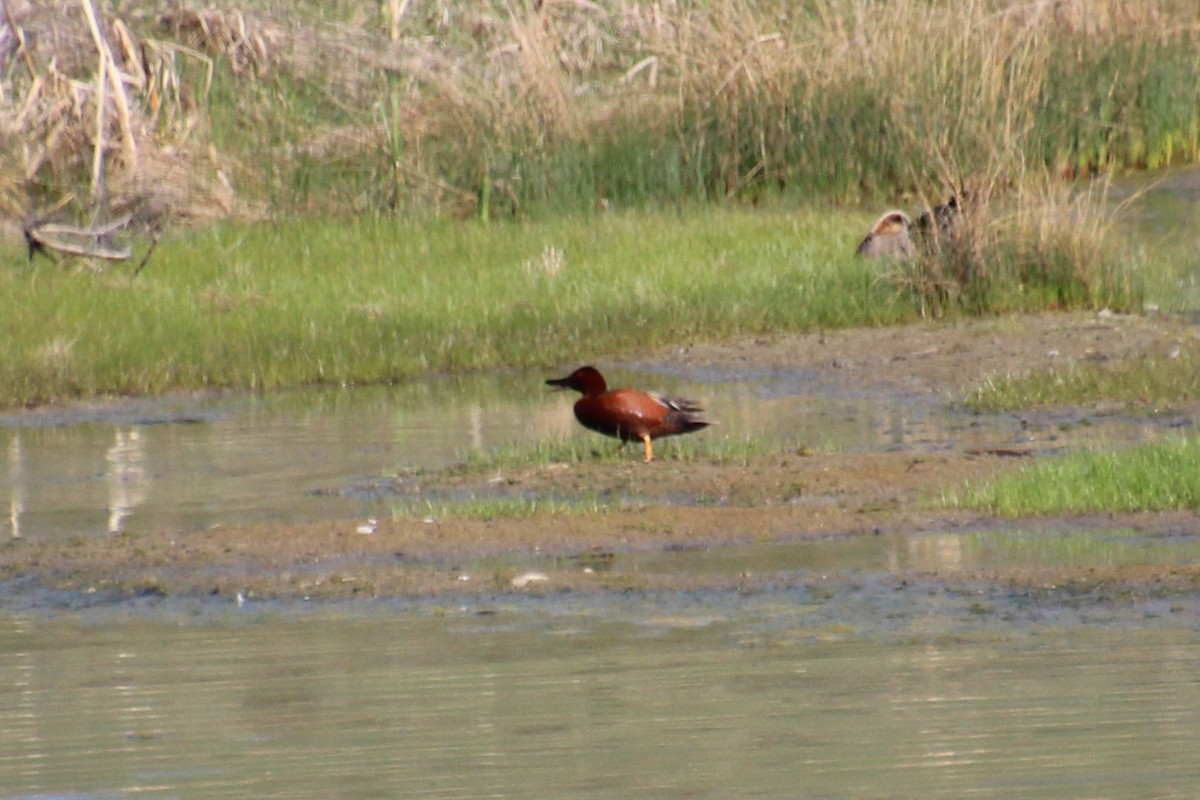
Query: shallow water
column 195, row 463
column 674, row 700
column 313, row 454
column 1056, row 545
column 1159, row 212
column 297, row 456
column 1162, row 204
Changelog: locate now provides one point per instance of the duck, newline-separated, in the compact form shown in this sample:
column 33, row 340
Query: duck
column 945, row 219
column 629, row 414
column 888, row 237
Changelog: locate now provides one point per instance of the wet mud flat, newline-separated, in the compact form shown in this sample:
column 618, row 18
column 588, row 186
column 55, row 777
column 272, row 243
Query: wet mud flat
column 833, row 530
column 838, row 527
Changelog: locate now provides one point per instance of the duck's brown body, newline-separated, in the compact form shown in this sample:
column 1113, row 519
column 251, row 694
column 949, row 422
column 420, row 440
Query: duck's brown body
column 629, row 414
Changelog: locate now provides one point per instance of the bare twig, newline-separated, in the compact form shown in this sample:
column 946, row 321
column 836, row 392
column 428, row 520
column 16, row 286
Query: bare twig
column 39, row 242
column 19, row 35
column 146, row 258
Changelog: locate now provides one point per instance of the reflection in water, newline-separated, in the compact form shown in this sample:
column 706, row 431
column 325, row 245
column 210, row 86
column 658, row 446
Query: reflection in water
column 16, row 485
column 126, row 476
column 937, row 553
column 529, row 706
column 902, row 555
column 291, row 456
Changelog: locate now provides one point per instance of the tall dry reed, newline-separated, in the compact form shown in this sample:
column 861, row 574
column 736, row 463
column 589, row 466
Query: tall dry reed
column 839, row 97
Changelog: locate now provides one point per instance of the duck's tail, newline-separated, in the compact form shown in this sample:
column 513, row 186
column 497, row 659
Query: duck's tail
column 686, row 415
column 888, row 236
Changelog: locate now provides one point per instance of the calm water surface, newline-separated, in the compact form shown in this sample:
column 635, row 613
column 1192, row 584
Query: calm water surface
column 679, row 702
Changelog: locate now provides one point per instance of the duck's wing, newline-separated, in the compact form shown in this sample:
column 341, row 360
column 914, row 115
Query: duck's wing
column 679, row 403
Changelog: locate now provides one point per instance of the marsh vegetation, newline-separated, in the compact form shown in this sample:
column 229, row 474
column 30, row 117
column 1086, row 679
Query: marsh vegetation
column 885, row 596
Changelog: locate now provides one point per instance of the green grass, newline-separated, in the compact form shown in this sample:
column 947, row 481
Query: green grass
column 499, row 508
column 1164, row 476
column 708, row 445
column 378, row 299
column 1147, row 383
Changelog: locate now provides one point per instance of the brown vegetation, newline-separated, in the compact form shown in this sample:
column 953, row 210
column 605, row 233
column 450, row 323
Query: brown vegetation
column 456, row 106
column 99, row 109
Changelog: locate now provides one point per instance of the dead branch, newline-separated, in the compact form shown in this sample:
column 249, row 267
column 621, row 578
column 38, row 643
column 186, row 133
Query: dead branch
column 42, row 237
column 102, row 230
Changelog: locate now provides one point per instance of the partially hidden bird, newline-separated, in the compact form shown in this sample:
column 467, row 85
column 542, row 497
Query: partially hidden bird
column 888, row 237
column 629, row 414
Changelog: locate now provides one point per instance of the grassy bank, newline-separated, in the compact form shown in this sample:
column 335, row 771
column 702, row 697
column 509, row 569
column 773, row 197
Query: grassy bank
column 378, row 155
column 376, row 299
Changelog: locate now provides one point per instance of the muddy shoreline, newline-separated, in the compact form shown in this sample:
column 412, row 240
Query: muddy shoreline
column 779, row 498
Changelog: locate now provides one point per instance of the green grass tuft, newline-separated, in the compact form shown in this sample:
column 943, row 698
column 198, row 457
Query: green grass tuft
column 1148, row 383
column 1164, row 476
column 706, row 446
column 499, row 508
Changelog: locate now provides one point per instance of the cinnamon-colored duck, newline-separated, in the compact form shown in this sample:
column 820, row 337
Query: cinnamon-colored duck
column 629, row 414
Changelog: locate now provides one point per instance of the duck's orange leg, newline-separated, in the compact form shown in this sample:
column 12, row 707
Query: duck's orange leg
column 649, row 447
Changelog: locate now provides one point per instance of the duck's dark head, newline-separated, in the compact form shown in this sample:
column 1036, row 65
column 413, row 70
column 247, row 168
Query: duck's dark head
column 586, row 380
